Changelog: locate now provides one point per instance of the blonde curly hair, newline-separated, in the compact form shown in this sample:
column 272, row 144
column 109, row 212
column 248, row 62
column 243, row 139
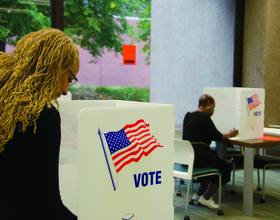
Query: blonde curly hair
column 30, row 78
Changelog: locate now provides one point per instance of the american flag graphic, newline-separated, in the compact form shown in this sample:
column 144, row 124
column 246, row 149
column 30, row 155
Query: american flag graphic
column 69, row 134
column 253, row 102
column 130, row 144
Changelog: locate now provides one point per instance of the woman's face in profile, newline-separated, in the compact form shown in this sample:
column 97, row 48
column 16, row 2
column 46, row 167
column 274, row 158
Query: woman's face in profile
column 66, row 78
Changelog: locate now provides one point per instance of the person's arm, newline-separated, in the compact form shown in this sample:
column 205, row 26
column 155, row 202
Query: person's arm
column 232, row 133
column 43, row 170
column 215, row 134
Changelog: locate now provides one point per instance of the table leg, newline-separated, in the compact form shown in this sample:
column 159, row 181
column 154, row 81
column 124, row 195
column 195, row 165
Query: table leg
column 222, row 153
column 248, row 182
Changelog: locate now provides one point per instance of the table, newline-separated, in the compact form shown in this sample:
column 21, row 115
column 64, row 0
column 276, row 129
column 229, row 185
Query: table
column 249, row 147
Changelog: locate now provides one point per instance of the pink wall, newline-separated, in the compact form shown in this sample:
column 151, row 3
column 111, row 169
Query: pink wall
column 110, row 71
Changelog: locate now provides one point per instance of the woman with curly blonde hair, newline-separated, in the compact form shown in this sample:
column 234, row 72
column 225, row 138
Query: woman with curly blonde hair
column 41, row 67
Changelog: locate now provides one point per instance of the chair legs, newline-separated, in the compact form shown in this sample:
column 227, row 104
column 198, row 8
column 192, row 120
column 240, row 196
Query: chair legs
column 263, row 184
column 191, row 201
column 187, row 199
column 220, row 211
column 263, row 197
column 258, row 188
column 232, row 192
column 179, row 192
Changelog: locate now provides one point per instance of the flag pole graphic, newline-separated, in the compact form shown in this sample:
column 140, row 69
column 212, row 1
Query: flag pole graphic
column 246, row 100
column 105, row 154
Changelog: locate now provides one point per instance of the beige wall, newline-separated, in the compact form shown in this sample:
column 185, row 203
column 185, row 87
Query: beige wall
column 272, row 63
column 261, row 61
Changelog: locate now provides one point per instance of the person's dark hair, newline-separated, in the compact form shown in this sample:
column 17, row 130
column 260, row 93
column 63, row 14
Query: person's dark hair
column 204, row 99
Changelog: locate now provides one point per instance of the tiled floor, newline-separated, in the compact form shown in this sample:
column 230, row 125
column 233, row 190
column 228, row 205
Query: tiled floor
column 232, row 205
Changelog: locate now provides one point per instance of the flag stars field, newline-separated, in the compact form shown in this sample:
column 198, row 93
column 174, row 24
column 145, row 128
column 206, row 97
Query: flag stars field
column 117, row 140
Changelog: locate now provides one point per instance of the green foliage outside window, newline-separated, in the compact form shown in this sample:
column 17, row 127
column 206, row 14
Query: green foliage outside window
column 80, row 92
column 18, row 18
column 93, row 24
column 99, row 24
column 143, row 31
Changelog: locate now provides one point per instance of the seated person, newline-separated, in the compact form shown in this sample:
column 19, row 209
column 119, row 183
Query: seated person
column 199, row 129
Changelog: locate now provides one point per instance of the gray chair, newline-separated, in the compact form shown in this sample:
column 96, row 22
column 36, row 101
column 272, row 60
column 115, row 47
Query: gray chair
column 260, row 162
column 231, row 151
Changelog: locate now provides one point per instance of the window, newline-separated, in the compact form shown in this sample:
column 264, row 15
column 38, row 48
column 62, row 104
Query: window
column 20, row 17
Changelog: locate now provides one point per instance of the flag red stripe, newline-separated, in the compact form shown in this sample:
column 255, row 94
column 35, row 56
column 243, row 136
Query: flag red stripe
column 137, row 130
column 138, row 158
column 145, row 141
column 132, row 138
column 129, row 149
column 255, row 102
column 133, row 146
column 130, row 154
column 135, row 124
column 132, row 150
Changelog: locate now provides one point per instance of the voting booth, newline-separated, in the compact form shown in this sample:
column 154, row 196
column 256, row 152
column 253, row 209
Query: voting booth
column 69, row 111
column 125, row 158
column 238, row 108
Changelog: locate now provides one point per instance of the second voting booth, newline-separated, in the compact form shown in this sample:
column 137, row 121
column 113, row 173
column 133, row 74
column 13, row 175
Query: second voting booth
column 238, row 108
column 125, row 158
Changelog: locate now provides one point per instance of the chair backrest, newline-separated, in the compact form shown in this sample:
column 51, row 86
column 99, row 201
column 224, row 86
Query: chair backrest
column 178, row 134
column 184, row 154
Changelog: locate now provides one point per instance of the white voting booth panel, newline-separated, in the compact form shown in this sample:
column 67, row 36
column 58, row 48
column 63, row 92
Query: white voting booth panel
column 69, row 110
column 126, row 156
column 68, row 185
column 65, row 97
column 238, row 108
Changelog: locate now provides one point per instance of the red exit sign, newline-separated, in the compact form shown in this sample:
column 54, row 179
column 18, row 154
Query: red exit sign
column 129, row 54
